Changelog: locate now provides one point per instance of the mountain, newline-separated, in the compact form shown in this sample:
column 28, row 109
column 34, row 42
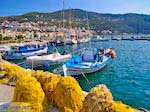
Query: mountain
column 129, row 23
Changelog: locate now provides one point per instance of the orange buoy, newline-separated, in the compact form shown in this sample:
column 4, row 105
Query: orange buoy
column 112, row 53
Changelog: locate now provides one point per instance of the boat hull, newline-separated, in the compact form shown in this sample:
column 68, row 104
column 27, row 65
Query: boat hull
column 77, row 72
column 18, row 56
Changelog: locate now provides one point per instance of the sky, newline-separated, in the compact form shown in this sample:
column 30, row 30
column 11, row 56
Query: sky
column 18, row 7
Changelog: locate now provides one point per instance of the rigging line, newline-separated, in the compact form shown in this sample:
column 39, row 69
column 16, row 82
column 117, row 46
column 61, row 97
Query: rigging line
column 85, row 78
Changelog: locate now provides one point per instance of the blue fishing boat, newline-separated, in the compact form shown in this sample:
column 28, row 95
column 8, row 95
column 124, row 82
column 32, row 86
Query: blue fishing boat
column 22, row 52
column 89, row 61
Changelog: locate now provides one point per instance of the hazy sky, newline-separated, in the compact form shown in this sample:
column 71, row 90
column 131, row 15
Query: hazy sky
column 17, row 7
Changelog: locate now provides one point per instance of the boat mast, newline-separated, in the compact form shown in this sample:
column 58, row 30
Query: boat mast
column 70, row 22
column 63, row 17
column 88, row 27
column 63, row 14
column 70, row 19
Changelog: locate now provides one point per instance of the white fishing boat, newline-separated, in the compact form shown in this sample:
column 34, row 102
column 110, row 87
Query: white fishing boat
column 118, row 39
column 23, row 52
column 71, row 41
column 88, row 61
column 74, row 40
column 98, row 38
column 52, row 59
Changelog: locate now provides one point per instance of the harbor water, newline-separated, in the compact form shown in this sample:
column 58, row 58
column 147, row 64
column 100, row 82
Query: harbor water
column 127, row 76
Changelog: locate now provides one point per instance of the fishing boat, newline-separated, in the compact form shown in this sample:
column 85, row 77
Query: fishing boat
column 74, row 40
column 22, row 52
column 98, row 38
column 54, row 58
column 71, row 41
column 118, row 39
column 83, row 40
column 89, row 61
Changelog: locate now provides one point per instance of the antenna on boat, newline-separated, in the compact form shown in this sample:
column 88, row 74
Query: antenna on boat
column 88, row 26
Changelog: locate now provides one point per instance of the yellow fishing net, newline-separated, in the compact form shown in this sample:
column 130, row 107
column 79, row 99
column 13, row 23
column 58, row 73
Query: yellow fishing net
column 68, row 95
column 29, row 90
column 13, row 71
column 99, row 99
column 65, row 92
column 48, row 82
column 41, row 76
column 44, row 77
column 120, row 107
column 50, row 86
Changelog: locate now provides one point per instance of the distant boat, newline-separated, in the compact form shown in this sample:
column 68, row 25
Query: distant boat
column 118, row 39
column 98, row 38
column 87, row 62
column 132, row 38
column 74, row 40
column 22, row 52
column 71, row 41
column 83, row 40
column 51, row 59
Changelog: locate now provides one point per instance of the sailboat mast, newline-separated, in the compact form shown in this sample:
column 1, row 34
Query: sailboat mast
column 88, row 26
column 63, row 14
column 70, row 18
column 70, row 23
column 63, row 20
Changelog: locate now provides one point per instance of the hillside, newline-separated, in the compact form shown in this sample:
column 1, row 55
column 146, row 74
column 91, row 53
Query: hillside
column 130, row 23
